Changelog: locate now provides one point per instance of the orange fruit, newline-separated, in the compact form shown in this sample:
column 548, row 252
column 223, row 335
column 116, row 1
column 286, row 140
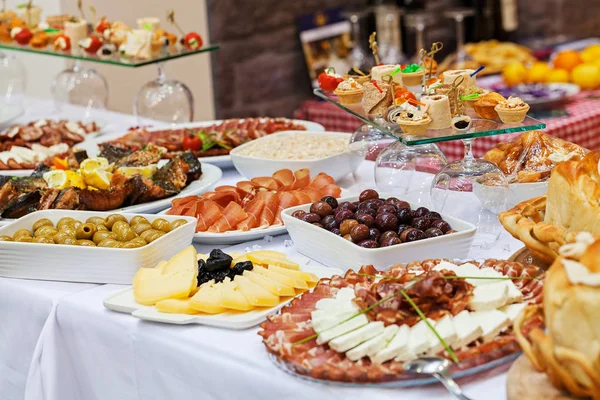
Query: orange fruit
column 538, row 72
column 587, row 76
column 557, row 75
column 568, row 60
column 514, row 74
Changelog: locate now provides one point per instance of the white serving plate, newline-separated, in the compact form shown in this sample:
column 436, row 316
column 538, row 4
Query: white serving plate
column 518, row 192
column 336, row 166
column 124, row 302
column 337, row 252
column 235, row 237
column 9, row 112
column 86, row 264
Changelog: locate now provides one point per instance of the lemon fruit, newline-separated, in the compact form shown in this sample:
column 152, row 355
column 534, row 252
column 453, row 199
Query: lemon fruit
column 99, row 179
column 514, row 74
column 590, row 53
column 75, row 180
column 557, row 75
column 147, row 171
column 56, row 179
column 587, row 76
column 91, row 165
column 538, row 72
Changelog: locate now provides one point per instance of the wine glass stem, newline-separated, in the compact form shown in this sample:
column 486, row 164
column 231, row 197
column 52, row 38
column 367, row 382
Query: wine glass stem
column 162, row 77
column 420, row 35
column 460, row 37
column 468, row 149
column 77, row 65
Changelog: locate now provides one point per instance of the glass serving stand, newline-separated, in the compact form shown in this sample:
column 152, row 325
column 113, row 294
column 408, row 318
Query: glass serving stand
column 13, row 79
column 471, row 189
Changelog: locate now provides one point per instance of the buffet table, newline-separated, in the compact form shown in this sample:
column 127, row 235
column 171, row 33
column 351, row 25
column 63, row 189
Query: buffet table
column 61, row 343
column 581, row 126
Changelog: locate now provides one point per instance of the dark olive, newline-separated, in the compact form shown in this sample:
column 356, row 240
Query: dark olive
column 386, row 235
column 374, row 234
column 402, row 228
column 433, row 215
column 413, row 235
column 368, row 244
column 298, row 214
column 421, row 223
column 377, row 203
column 387, row 208
column 321, row 208
column 433, row 232
column 420, row 212
column 368, row 205
column 450, row 231
column 368, row 194
column 311, row 217
column 348, row 237
column 366, row 219
column 329, row 222
column 348, row 205
column 356, row 204
column 390, row 242
column 404, row 215
column 347, row 225
column 386, row 222
column 397, row 203
column 441, row 225
column 343, row 215
column 336, row 231
column 359, row 233
column 367, row 211
column 318, row 225
column 331, row 201
column 405, row 233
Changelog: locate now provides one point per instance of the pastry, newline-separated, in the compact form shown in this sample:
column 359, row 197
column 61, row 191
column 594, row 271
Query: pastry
column 438, row 110
column 446, row 90
column 468, row 81
column 358, row 75
column 117, row 34
column 5, row 33
column 512, row 111
column 349, row 92
column 166, row 39
column 377, row 98
column 139, row 44
column 76, row 30
column 379, row 72
column 62, row 43
column 462, row 123
column 430, row 66
column 39, row 40
column 412, row 75
column 31, row 15
column 149, row 23
column 413, row 123
column 7, row 15
column 57, row 21
column 484, row 106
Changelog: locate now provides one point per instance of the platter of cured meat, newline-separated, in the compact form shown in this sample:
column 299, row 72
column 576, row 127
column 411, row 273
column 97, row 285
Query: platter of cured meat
column 360, row 328
column 252, row 209
column 209, row 140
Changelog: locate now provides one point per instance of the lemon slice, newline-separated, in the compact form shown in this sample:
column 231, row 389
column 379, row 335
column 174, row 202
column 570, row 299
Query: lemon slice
column 100, row 179
column 56, row 179
column 75, row 180
column 147, row 171
column 90, row 165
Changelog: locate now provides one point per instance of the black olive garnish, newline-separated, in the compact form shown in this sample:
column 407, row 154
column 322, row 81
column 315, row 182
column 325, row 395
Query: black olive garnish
column 462, row 124
column 218, row 261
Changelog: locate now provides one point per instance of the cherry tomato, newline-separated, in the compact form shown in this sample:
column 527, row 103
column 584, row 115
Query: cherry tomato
column 192, row 142
column 62, row 42
column 102, row 25
column 404, row 96
column 193, row 41
column 91, row 44
column 328, row 81
column 24, row 36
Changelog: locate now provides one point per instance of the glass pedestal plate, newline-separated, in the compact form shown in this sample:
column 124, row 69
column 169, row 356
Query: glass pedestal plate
column 471, row 189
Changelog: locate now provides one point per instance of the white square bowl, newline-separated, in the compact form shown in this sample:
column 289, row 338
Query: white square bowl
column 86, row 264
column 518, row 192
column 336, row 166
column 334, row 251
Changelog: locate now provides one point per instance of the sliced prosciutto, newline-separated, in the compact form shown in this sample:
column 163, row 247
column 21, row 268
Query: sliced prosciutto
column 233, row 214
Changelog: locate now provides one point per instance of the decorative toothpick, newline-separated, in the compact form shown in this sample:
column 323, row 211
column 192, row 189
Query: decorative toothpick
column 29, row 4
column 374, row 47
column 80, row 7
column 458, row 105
column 3, row 5
column 93, row 11
column 435, row 47
column 171, row 19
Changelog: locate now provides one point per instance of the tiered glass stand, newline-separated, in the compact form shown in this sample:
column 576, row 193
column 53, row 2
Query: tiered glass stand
column 162, row 99
column 414, row 167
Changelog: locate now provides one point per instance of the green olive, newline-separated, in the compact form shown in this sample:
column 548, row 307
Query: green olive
column 123, row 231
column 141, row 227
column 66, row 239
column 64, row 221
column 95, row 220
column 6, row 238
column 69, row 230
column 133, row 244
column 42, row 222
column 22, row 232
column 45, row 230
column 102, row 235
column 161, row 224
column 76, row 224
column 109, row 243
column 60, row 237
column 151, row 235
column 177, row 223
column 85, row 231
column 43, row 239
column 84, row 242
column 112, row 218
column 102, row 228
column 138, row 219
column 24, row 239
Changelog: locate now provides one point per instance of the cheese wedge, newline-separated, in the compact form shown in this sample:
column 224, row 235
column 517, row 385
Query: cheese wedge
column 301, row 275
column 373, row 345
column 255, row 294
column 350, row 340
column 418, row 341
column 208, row 299
column 446, row 330
column 513, row 310
column 238, row 259
column 467, row 329
column 296, row 283
column 321, row 324
column 260, row 258
column 271, row 285
column 489, row 297
column 395, row 346
column 233, row 298
column 267, row 253
column 342, row 328
column 491, row 322
column 175, row 306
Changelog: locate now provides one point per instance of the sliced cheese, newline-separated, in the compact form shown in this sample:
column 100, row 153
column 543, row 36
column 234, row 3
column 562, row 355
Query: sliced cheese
column 513, row 310
column 271, row 285
column 489, row 297
column 467, row 329
column 345, row 327
column 301, row 275
column 350, row 340
column 232, row 297
column 175, row 306
column 514, row 295
column 395, row 346
column 260, row 258
column 335, row 305
column 321, row 324
column 373, row 345
column 345, row 294
column 446, row 330
column 286, row 280
column 209, row 298
column 445, row 265
column 418, row 341
column 255, row 294
column 492, row 322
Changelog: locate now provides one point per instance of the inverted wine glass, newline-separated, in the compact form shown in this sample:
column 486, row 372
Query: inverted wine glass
column 460, row 59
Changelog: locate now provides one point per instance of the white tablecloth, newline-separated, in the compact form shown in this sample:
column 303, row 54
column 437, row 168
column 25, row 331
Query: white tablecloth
column 69, row 346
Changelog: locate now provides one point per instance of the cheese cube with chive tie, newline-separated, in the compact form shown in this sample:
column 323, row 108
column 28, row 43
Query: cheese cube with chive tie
column 350, row 340
column 467, row 329
column 345, row 327
column 446, row 330
column 373, row 345
column 489, row 297
column 492, row 322
column 395, row 346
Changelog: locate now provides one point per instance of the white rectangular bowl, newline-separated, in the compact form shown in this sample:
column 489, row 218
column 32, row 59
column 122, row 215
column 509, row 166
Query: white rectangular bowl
column 86, row 264
column 336, row 166
column 337, row 252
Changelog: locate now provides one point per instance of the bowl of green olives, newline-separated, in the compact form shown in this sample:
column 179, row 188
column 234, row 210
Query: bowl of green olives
column 88, row 246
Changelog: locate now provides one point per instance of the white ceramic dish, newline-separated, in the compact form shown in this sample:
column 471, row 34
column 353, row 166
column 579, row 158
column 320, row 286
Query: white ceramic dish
column 235, row 237
column 124, row 302
column 334, row 251
column 86, row 264
column 8, row 113
column 210, row 176
column 518, row 192
column 336, row 166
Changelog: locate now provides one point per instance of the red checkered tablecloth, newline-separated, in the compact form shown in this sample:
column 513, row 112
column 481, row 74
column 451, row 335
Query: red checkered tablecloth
column 581, row 126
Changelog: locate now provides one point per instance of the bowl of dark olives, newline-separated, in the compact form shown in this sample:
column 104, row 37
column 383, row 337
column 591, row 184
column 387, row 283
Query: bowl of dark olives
column 374, row 229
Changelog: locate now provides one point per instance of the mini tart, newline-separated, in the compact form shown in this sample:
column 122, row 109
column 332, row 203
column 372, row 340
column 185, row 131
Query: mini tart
column 361, row 79
column 485, row 105
column 412, row 127
column 513, row 115
column 347, row 97
column 413, row 78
